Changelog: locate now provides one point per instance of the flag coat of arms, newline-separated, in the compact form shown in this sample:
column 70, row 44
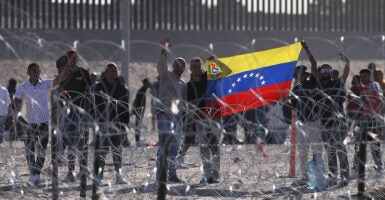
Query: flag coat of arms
column 247, row 81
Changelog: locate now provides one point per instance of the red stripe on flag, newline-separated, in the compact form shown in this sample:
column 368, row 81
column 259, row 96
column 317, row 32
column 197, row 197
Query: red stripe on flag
column 253, row 98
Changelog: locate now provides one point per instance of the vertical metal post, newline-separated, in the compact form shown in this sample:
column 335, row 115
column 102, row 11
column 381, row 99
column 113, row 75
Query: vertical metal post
column 97, row 147
column 125, row 31
column 362, row 160
column 84, row 134
column 54, row 143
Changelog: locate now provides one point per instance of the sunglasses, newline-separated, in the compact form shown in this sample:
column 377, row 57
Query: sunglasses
column 326, row 70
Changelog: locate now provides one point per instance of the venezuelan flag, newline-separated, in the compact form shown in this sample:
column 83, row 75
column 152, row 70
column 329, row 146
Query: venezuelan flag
column 247, row 81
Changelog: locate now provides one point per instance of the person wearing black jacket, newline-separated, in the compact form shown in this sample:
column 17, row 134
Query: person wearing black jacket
column 200, row 124
column 138, row 109
column 112, row 113
column 74, row 91
column 196, row 89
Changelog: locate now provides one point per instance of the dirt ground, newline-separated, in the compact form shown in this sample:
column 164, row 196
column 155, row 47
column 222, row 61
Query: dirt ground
column 245, row 174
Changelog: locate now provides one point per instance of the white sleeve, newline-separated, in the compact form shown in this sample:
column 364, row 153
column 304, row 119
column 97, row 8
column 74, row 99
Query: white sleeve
column 48, row 83
column 7, row 98
column 376, row 86
column 19, row 92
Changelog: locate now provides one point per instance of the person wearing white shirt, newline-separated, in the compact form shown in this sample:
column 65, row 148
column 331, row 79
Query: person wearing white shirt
column 4, row 103
column 34, row 93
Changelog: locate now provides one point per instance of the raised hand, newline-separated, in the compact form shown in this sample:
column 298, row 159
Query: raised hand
column 165, row 44
column 343, row 57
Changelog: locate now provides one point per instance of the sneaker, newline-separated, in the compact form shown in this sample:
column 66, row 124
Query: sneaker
column 332, row 182
column 180, row 161
column 212, row 180
column 300, row 182
column 353, row 175
column 343, row 183
column 140, row 144
column 174, row 179
column 119, row 180
column 203, row 181
column 100, row 178
column 70, row 177
column 31, row 180
column 377, row 168
column 37, row 179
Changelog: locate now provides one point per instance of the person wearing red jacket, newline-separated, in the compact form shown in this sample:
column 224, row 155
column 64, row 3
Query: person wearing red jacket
column 371, row 106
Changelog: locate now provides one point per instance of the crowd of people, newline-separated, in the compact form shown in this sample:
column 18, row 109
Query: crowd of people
column 325, row 108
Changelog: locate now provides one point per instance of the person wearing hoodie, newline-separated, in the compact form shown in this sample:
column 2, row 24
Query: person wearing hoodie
column 112, row 114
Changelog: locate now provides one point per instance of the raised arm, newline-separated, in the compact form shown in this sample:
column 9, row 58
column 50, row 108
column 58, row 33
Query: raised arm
column 162, row 64
column 61, row 77
column 347, row 66
column 313, row 62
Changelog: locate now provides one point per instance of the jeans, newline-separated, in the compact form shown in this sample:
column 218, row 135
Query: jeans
column 373, row 125
column 110, row 139
column 333, row 137
column 209, row 134
column 36, row 142
column 190, row 131
column 169, row 127
column 72, row 137
column 139, row 113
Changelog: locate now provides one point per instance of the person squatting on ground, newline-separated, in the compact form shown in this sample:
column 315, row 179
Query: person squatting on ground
column 330, row 96
column 138, row 109
column 34, row 93
column 75, row 88
column 370, row 119
column 308, row 125
column 112, row 106
column 172, row 94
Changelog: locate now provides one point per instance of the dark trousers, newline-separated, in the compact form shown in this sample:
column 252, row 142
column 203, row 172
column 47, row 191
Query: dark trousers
column 230, row 126
column 252, row 122
column 114, row 141
column 139, row 113
column 76, row 137
column 333, row 137
column 36, row 142
column 372, row 125
column 189, row 138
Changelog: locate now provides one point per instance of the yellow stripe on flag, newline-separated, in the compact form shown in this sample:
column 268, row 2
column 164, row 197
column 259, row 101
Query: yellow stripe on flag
column 245, row 62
